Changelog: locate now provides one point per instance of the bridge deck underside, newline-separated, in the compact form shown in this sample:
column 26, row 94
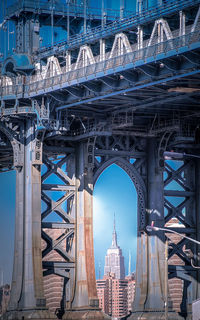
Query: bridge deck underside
column 147, row 111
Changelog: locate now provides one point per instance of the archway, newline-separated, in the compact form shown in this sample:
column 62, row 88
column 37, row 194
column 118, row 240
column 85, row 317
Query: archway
column 114, row 193
column 127, row 170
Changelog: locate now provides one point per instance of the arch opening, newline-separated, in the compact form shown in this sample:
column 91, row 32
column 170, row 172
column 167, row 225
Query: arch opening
column 115, row 194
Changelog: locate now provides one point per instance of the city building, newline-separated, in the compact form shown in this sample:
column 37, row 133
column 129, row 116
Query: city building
column 130, row 290
column 114, row 260
column 4, row 298
column 112, row 294
column 53, row 284
column 119, row 298
column 103, row 290
column 175, row 284
column 115, row 292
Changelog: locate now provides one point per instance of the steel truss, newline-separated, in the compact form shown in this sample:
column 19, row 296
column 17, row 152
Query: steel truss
column 184, row 175
column 64, row 207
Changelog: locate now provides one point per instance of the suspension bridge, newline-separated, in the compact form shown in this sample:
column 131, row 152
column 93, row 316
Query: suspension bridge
column 122, row 85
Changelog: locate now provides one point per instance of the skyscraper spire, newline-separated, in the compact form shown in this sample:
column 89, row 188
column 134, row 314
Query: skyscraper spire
column 114, row 260
column 129, row 264
column 114, row 236
column 99, row 270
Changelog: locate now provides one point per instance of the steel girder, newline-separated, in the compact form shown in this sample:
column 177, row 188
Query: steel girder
column 125, row 82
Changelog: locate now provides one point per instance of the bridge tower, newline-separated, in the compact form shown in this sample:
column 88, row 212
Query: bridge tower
column 123, row 93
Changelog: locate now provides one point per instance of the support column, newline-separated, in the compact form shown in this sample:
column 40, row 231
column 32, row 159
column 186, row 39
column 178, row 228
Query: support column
column 85, row 304
column 27, row 297
column 150, row 278
column 198, row 224
column 156, row 242
column 182, row 23
column 140, row 38
column 102, row 49
column 18, row 250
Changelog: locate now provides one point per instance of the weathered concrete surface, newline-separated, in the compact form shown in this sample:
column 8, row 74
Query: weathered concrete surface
column 27, row 294
column 154, row 315
column 85, row 286
column 85, row 314
column 27, row 315
column 85, row 302
column 150, row 275
column 196, row 310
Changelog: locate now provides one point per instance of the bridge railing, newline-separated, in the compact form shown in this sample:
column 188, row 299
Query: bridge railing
column 113, row 63
column 162, row 48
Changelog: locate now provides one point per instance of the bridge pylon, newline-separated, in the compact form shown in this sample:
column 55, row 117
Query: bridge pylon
column 84, row 303
column 27, row 299
column 149, row 302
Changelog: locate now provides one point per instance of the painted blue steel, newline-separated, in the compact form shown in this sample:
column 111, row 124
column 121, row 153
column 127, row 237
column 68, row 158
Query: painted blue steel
column 19, row 62
column 109, row 29
column 62, row 8
column 128, row 61
column 118, row 64
column 133, row 88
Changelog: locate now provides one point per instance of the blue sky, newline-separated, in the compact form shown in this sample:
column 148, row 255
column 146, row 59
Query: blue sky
column 114, row 192
column 7, row 221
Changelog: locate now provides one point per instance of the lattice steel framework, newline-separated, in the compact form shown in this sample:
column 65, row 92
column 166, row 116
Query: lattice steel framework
column 181, row 202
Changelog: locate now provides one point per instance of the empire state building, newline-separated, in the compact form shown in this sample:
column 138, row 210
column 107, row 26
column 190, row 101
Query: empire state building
column 114, row 260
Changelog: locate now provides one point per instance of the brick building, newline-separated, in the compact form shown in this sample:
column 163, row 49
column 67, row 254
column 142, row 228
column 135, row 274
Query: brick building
column 112, row 294
column 175, row 284
column 130, row 290
column 53, row 284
